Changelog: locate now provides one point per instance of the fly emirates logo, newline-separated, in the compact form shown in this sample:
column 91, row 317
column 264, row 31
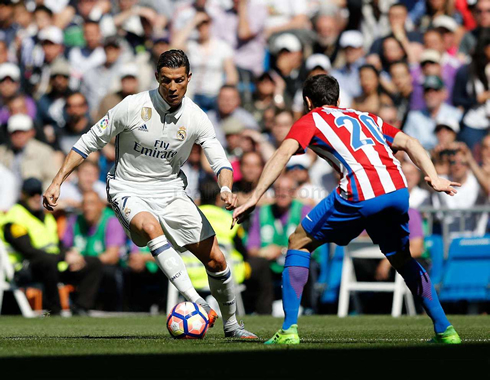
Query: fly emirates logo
column 160, row 150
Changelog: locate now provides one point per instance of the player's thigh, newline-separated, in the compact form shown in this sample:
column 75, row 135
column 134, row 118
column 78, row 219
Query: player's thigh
column 388, row 227
column 129, row 210
column 333, row 220
column 183, row 222
column 300, row 239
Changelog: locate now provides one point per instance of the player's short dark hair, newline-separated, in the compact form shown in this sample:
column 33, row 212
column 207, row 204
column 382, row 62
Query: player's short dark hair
column 174, row 59
column 321, row 90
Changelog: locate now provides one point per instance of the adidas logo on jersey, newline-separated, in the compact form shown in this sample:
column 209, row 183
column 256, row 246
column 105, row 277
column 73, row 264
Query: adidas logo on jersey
column 143, row 128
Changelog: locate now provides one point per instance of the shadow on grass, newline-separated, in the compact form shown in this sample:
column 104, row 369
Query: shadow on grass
column 282, row 362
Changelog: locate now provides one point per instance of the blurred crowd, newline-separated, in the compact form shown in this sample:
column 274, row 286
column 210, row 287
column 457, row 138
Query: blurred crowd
column 421, row 65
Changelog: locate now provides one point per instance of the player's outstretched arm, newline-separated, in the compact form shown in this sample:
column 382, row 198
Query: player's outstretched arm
column 273, row 168
column 51, row 195
column 421, row 159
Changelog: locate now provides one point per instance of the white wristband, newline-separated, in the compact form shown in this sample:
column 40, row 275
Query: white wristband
column 225, row 188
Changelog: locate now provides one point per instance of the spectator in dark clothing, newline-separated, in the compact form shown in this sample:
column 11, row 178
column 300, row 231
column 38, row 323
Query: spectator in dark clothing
column 31, row 236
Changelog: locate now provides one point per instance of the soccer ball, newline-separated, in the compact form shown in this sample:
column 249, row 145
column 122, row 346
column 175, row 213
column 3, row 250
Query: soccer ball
column 187, row 320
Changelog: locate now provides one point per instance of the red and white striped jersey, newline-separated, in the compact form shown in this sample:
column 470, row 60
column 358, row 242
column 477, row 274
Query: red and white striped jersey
column 357, row 145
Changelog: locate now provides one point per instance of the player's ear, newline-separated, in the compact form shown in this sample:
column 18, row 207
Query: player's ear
column 338, row 102
column 189, row 76
column 309, row 103
column 156, row 77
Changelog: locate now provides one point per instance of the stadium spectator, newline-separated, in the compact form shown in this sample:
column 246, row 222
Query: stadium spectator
column 258, row 294
column 328, row 28
column 373, row 95
column 7, row 23
column 77, row 121
column 37, row 74
column 242, row 27
column 144, row 284
column 283, row 120
column 402, row 91
column 25, row 156
column 423, row 123
column 251, row 164
column 316, row 64
column 389, row 114
column 10, row 87
column 418, row 196
column 51, row 106
column 287, row 54
column 398, row 20
column 228, row 105
column 212, row 61
column 472, row 92
column 285, row 15
column 96, row 233
column 83, row 59
column 129, row 86
column 31, row 236
column 446, row 132
column 351, row 43
column 450, row 32
column 437, row 8
column 482, row 17
column 307, row 193
column 434, row 40
column 474, row 190
column 103, row 79
column 194, row 172
column 266, row 96
column 272, row 224
column 86, row 179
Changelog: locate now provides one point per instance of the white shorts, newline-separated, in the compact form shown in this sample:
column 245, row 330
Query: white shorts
column 182, row 221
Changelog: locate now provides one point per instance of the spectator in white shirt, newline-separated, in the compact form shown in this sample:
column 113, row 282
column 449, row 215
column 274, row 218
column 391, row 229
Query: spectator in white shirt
column 212, row 61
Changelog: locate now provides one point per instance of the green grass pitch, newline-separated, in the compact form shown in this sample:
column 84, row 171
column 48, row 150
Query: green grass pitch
column 140, row 347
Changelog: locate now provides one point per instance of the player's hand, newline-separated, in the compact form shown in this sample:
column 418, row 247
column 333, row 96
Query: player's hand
column 230, row 199
column 50, row 197
column 442, row 185
column 243, row 211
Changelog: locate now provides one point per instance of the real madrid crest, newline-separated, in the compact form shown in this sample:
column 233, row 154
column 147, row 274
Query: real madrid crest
column 146, row 113
column 181, row 134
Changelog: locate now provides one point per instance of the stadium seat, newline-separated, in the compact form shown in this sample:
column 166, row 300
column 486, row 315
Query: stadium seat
column 7, row 283
column 435, row 246
column 365, row 249
column 467, row 274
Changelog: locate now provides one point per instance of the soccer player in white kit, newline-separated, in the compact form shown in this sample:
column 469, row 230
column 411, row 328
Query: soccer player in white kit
column 155, row 131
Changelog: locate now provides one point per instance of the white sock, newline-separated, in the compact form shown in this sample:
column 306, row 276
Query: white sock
column 170, row 262
column 222, row 288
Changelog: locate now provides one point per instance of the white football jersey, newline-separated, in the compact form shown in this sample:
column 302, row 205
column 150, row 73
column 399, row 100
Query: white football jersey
column 152, row 144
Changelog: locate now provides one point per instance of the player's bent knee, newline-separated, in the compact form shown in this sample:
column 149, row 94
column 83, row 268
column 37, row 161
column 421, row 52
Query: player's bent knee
column 151, row 229
column 399, row 258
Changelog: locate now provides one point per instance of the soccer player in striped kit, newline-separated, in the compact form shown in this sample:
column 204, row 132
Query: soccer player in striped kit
column 372, row 195
column 155, row 131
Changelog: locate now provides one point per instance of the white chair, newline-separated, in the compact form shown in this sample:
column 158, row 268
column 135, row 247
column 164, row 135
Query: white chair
column 7, row 284
column 349, row 283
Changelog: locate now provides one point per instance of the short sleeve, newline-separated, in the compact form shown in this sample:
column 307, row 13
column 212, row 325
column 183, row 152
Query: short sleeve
column 389, row 131
column 113, row 123
column 303, row 131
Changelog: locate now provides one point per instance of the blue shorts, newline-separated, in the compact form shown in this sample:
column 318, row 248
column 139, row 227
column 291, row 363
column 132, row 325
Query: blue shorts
column 385, row 218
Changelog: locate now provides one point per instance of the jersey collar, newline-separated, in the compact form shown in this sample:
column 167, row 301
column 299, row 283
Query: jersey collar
column 164, row 107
